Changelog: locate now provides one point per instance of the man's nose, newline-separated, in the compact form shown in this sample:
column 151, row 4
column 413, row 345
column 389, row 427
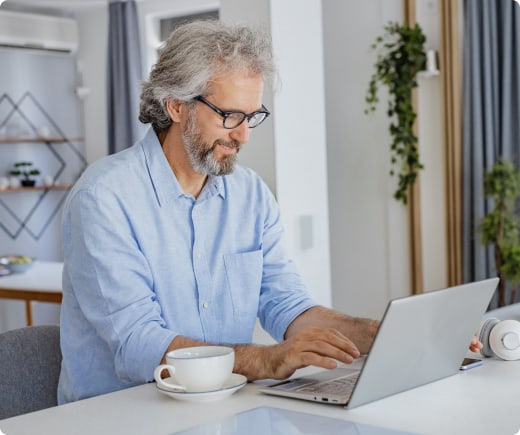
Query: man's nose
column 241, row 133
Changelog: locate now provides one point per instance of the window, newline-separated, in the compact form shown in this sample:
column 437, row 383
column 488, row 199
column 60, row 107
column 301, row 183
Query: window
column 168, row 25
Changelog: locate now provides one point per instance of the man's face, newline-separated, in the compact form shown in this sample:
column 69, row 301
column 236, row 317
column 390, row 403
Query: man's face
column 211, row 148
column 202, row 154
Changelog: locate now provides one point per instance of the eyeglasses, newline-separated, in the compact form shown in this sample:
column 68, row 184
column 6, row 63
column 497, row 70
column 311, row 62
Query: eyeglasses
column 232, row 119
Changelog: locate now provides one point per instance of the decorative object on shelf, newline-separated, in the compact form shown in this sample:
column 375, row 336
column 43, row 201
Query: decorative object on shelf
column 14, row 183
column 25, row 169
column 4, row 183
column 401, row 57
column 431, row 62
column 432, row 65
column 48, row 181
column 43, row 132
column 500, row 225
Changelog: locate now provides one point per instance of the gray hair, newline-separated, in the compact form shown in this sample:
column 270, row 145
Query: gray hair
column 192, row 56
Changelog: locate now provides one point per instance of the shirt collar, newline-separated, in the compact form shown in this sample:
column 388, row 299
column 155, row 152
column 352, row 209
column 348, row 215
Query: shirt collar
column 214, row 186
column 164, row 181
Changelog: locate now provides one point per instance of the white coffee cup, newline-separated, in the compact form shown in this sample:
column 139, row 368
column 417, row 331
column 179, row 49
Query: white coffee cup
column 197, row 369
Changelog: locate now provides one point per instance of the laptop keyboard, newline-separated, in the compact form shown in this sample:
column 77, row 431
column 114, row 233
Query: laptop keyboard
column 343, row 386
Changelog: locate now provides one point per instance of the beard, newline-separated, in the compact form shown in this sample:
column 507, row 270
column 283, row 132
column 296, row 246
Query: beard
column 202, row 155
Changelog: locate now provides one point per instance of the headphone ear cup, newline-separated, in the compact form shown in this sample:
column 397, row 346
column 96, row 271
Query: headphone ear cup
column 504, row 340
column 483, row 335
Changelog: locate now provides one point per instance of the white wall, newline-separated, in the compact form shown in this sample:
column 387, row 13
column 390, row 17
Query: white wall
column 300, row 140
column 92, row 66
column 369, row 239
column 433, row 186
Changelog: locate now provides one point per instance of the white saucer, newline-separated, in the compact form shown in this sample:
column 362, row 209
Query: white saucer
column 234, row 383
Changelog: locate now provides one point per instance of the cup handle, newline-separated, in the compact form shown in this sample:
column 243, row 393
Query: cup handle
column 166, row 385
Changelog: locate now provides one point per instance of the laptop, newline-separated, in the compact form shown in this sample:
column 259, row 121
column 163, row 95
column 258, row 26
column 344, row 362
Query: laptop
column 421, row 339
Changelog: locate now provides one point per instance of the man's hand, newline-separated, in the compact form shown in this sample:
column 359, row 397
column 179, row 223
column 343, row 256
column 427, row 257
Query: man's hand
column 319, row 337
column 315, row 346
column 359, row 330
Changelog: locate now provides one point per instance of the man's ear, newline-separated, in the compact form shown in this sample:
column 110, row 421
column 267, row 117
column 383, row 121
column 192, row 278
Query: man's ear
column 175, row 109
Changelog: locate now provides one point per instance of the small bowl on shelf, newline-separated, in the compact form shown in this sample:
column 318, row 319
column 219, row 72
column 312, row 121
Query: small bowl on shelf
column 16, row 263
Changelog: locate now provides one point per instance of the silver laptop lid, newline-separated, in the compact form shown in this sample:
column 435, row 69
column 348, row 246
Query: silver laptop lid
column 422, row 338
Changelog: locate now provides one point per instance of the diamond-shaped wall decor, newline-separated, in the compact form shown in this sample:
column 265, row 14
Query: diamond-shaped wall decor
column 18, row 119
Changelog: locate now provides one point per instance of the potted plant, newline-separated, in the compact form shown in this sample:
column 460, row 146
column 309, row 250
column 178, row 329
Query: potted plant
column 401, row 56
column 499, row 227
column 27, row 171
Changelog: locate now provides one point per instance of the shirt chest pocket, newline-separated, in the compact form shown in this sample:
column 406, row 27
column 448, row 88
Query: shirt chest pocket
column 244, row 277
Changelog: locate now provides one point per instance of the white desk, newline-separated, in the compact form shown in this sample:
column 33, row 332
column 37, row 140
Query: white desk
column 484, row 400
column 42, row 282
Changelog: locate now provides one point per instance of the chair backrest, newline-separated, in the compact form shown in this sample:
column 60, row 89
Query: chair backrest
column 30, row 362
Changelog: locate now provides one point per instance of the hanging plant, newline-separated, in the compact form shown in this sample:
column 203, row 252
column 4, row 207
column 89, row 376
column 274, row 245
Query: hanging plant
column 499, row 227
column 400, row 57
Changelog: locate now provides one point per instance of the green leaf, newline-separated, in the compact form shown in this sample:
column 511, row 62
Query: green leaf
column 500, row 226
column 400, row 57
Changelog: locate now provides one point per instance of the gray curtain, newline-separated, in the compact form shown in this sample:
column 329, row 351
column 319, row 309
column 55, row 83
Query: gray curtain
column 491, row 115
column 124, row 76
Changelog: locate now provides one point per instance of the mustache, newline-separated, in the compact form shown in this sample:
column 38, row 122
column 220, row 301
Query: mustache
column 232, row 144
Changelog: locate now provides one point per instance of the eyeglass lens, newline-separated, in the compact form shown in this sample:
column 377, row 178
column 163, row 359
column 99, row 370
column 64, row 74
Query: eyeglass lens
column 234, row 119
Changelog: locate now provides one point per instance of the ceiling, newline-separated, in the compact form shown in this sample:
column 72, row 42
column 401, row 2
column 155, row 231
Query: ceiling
column 55, row 4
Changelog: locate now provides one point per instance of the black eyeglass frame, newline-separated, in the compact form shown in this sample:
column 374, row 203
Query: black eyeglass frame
column 226, row 114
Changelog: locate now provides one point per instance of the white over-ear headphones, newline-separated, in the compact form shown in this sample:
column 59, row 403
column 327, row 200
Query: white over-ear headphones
column 500, row 338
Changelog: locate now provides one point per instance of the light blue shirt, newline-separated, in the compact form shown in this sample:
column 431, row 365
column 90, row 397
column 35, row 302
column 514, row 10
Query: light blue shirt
column 145, row 262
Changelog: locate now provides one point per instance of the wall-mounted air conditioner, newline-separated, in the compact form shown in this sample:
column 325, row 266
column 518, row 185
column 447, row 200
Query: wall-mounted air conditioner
column 42, row 32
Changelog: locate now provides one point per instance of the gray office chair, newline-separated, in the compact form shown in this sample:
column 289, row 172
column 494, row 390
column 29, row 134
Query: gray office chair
column 30, row 361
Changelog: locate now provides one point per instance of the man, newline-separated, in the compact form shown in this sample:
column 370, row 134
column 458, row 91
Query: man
column 170, row 244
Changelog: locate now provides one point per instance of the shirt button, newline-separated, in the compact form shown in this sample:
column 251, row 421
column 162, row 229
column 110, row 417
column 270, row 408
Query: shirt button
column 198, row 255
column 205, row 305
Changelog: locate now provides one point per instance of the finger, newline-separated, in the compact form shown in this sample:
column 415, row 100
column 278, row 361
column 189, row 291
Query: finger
column 475, row 345
column 335, row 338
column 313, row 346
column 322, row 349
column 326, row 342
column 316, row 360
column 343, row 343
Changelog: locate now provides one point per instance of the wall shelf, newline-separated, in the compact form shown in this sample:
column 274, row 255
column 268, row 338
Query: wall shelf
column 42, row 140
column 25, row 189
